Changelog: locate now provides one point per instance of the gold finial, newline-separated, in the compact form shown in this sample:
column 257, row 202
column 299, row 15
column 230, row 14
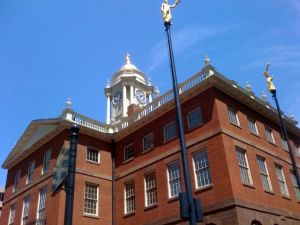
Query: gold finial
column 166, row 10
column 270, row 84
column 127, row 59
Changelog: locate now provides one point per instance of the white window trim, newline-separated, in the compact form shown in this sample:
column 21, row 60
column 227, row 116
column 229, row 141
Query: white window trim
column 31, row 166
column 99, row 155
column 201, row 119
column 164, row 127
column 255, row 126
column 17, row 180
column 23, row 208
column 44, row 158
column 124, row 155
column 229, row 108
column 267, row 173
column 283, row 181
column 150, row 134
column 97, row 205
column 284, row 144
column 168, row 179
column 38, row 203
column 195, row 171
column 145, row 190
column 125, row 197
column 12, row 209
column 247, row 164
column 271, row 133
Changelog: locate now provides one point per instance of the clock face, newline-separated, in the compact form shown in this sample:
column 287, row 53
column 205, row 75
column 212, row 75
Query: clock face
column 117, row 97
column 140, row 96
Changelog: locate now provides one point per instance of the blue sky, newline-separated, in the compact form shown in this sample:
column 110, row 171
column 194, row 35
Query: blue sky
column 54, row 50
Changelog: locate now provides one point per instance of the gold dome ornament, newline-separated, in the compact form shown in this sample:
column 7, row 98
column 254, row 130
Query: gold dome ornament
column 270, row 84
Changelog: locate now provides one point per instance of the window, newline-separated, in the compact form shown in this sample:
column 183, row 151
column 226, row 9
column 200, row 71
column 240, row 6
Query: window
column 129, row 200
column 284, row 144
column 17, row 180
column 281, row 180
column 264, row 174
column 148, row 142
column 25, row 213
column 91, row 199
column 297, row 150
column 174, row 179
column 30, row 172
column 41, row 206
column 46, row 163
column 295, row 185
column 170, row 131
column 1, row 196
column 93, row 155
column 232, row 115
column 128, row 152
column 252, row 126
column 244, row 166
column 150, row 189
column 194, row 118
column 269, row 135
column 12, row 214
column 201, row 168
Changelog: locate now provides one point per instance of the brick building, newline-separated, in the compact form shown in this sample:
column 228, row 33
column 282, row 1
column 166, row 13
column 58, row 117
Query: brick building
column 129, row 169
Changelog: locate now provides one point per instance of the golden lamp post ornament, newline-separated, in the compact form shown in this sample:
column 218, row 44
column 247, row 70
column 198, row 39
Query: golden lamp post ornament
column 166, row 10
column 270, row 83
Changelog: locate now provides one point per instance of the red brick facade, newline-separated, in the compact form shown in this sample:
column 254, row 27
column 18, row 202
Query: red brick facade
column 226, row 200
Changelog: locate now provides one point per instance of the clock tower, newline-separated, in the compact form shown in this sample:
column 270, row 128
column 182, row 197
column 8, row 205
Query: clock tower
column 128, row 87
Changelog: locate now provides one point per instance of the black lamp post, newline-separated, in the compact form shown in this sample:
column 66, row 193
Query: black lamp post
column 69, row 188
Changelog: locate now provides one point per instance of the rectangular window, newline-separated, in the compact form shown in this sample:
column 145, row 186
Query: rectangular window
column 194, row 118
column 17, row 180
column 269, row 135
column 284, row 144
column 12, row 214
column 201, row 168
column 25, row 213
column 129, row 200
column 232, row 116
column 281, row 180
column 91, row 199
column 41, row 206
column 30, row 172
column 174, row 179
column 150, row 189
column 148, row 142
column 93, row 155
column 244, row 166
column 264, row 174
column 170, row 131
column 295, row 185
column 252, row 126
column 128, row 152
column 46, row 163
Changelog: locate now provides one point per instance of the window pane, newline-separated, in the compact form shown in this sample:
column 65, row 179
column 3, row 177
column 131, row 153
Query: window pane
column 201, row 168
column 295, row 185
column 91, row 199
column 174, row 179
column 252, row 126
column 148, row 142
column 129, row 197
column 281, row 180
column 42, row 206
column 264, row 174
column 170, row 131
column 150, row 189
column 269, row 135
column 128, row 152
column 232, row 116
column 93, row 155
column 243, row 164
column 194, row 118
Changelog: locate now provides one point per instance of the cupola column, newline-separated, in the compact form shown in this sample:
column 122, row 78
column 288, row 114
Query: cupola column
column 131, row 94
column 108, row 109
column 124, row 101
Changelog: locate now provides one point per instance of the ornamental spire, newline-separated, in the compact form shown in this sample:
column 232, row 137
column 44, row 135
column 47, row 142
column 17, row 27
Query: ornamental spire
column 127, row 59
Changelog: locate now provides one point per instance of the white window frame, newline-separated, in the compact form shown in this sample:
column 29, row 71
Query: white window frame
column 252, row 126
column 150, row 188
column 30, row 172
column 41, row 209
column 284, row 143
column 25, row 210
column 173, row 175
column 202, row 173
column 269, row 135
column 12, row 214
column 196, row 123
column 90, row 158
column 17, row 180
column 46, row 161
column 170, row 134
column 233, row 116
column 145, row 141
column 295, row 185
column 264, row 173
column 129, row 197
column 92, row 200
column 243, row 164
column 130, row 155
column 281, row 180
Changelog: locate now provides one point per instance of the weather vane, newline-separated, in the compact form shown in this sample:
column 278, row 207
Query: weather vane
column 166, row 10
column 270, row 83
